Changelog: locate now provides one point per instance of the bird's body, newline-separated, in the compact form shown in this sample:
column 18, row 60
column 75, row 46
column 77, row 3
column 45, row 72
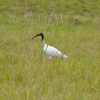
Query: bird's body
column 49, row 50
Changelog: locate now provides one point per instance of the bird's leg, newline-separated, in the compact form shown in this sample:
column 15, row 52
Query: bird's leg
column 50, row 57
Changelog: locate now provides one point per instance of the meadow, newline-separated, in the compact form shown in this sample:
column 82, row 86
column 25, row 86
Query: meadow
column 73, row 27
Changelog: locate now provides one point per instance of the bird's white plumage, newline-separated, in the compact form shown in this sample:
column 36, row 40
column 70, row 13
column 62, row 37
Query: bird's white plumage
column 52, row 52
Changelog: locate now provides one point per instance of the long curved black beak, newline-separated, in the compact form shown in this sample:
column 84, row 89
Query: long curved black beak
column 40, row 34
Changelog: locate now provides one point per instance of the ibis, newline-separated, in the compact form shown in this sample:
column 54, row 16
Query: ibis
column 49, row 50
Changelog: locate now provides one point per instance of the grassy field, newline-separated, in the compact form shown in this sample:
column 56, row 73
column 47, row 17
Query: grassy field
column 73, row 27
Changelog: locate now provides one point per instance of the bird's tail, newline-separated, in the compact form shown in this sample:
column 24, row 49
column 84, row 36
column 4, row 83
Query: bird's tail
column 65, row 56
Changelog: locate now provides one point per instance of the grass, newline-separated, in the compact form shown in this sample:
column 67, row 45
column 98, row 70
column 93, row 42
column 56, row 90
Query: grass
column 25, row 71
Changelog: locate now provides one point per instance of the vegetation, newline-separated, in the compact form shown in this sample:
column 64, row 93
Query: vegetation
column 71, row 26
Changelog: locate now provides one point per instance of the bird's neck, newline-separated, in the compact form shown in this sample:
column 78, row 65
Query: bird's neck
column 43, row 42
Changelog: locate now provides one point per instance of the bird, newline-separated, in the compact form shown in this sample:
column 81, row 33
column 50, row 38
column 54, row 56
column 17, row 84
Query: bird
column 50, row 51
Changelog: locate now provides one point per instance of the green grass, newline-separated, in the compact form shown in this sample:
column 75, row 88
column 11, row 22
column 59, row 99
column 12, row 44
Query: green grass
column 73, row 27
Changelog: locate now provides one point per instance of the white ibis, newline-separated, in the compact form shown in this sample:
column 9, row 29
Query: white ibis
column 49, row 50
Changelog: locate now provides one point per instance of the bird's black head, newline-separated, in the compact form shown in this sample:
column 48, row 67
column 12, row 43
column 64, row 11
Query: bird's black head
column 40, row 34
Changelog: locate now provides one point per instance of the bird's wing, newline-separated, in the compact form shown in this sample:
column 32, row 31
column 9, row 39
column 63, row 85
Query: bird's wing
column 51, row 51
